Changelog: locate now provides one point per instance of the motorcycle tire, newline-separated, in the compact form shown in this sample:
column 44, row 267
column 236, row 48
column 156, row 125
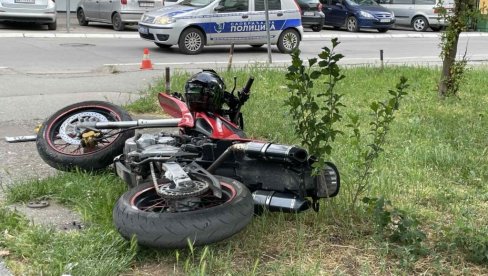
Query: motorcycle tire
column 159, row 228
column 60, row 148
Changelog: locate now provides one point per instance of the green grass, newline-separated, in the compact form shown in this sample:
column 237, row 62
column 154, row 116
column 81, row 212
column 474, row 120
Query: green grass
column 434, row 167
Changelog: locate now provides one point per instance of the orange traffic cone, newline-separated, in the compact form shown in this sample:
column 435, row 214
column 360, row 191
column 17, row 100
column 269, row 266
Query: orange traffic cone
column 146, row 63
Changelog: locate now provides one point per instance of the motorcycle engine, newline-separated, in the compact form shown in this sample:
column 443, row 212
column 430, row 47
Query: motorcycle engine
column 146, row 145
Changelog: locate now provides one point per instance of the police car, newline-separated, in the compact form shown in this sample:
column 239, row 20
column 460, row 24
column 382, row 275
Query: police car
column 192, row 24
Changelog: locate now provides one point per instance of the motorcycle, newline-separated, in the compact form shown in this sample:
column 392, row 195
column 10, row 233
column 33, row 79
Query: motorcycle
column 202, row 184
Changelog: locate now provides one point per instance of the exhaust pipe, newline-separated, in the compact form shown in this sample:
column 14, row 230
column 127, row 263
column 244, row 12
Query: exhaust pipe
column 278, row 202
column 270, row 151
column 276, row 152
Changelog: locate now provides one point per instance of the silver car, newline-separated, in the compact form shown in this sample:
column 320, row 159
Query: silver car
column 116, row 12
column 36, row 11
column 419, row 14
column 193, row 24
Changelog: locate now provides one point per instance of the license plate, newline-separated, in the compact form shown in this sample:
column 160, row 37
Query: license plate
column 308, row 13
column 146, row 4
column 143, row 30
column 25, row 1
column 385, row 20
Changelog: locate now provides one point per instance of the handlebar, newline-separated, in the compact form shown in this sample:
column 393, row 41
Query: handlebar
column 247, row 88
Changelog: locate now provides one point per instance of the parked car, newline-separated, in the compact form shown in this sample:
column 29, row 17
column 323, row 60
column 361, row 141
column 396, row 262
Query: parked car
column 312, row 15
column 419, row 14
column 192, row 24
column 116, row 12
column 35, row 11
column 357, row 14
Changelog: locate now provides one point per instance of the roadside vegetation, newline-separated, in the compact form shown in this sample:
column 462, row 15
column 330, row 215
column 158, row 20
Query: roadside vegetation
column 423, row 210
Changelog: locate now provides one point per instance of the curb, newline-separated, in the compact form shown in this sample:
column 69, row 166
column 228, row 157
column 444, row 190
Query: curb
column 305, row 36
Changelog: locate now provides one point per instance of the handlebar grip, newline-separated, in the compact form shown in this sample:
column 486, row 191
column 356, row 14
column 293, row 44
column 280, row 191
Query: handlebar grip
column 247, row 88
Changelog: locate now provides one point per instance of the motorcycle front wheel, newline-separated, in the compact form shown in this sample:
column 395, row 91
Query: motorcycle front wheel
column 61, row 145
column 203, row 219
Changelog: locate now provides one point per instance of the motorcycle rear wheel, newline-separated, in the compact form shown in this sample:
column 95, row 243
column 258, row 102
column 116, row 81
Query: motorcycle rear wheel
column 142, row 213
column 61, row 148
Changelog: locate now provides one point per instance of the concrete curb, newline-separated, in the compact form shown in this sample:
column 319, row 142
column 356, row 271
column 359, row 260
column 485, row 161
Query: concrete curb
column 305, row 36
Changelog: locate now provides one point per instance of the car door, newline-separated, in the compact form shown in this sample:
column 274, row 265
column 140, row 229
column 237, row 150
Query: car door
column 335, row 13
column 404, row 10
column 106, row 8
column 92, row 9
column 277, row 21
column 229, row 23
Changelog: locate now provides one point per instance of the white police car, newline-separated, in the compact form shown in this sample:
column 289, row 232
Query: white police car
column 191, row 24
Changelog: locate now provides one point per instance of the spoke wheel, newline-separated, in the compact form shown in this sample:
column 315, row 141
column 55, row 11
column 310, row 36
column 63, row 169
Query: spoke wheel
column 352, row 24
column 289, row 40
column 191, row 41
column 117, row 23
column 80, row 15
column 420, row 24
column 60, row 142
column 203, row 219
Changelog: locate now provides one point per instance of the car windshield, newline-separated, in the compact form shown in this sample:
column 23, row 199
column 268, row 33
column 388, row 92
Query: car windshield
column 362, row 2
column 195, row 3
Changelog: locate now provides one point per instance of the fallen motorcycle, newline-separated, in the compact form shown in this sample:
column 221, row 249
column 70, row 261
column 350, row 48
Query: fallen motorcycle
column 201, row 184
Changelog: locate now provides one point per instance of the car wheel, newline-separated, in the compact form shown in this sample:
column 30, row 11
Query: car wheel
column 52, row 26
column 352, row 24
column 163, row 46
column 117, row 22
column 317, row 28
column 257, row 45
column 288, row 41
column 80, row 14
column 382, row 30
column 420, row 24
column 191, row 41
column 435, row 29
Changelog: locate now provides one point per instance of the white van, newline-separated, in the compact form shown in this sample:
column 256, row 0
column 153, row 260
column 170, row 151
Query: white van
column 192, row 24
column 419, row 14
column 116, row 12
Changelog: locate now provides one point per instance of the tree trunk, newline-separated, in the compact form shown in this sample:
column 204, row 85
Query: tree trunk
column 450, row 45
column 447, row 63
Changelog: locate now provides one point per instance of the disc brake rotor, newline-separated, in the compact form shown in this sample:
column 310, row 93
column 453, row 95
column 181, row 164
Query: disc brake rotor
column 190, row 189
column 69, row 131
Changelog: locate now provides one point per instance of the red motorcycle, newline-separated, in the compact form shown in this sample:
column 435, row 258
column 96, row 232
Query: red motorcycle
column 201, row 184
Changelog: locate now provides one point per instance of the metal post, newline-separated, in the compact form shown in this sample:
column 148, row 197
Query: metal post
column 381, row 59
column 68, row 13
column 231, row 54
column 168, row 83
column 268, row 36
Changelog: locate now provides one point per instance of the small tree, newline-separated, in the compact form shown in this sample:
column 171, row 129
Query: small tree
column 464, row 13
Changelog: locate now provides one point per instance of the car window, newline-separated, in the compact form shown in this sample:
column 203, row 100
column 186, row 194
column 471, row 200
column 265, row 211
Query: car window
column 272, row 5
column 361, row 2
column 196, row 3
column 234, row 6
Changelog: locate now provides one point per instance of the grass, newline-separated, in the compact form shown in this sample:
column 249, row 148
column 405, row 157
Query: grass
column 434, row 169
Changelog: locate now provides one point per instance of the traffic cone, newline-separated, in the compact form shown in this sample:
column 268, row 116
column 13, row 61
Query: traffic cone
column 146, row 63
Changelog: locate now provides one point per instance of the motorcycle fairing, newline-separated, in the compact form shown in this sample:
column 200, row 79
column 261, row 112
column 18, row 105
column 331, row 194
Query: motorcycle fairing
column 218, row 127
column 176, row 109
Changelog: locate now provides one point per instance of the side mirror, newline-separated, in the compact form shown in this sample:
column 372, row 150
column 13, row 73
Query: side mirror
column 340, row 5
column 219, row 8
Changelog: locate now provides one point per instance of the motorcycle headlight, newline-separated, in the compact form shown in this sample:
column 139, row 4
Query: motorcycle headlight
column 365, row 14
column 163, row 20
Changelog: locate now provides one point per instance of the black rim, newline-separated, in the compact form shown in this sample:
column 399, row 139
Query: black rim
column 54, row 137
column 148, row 200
